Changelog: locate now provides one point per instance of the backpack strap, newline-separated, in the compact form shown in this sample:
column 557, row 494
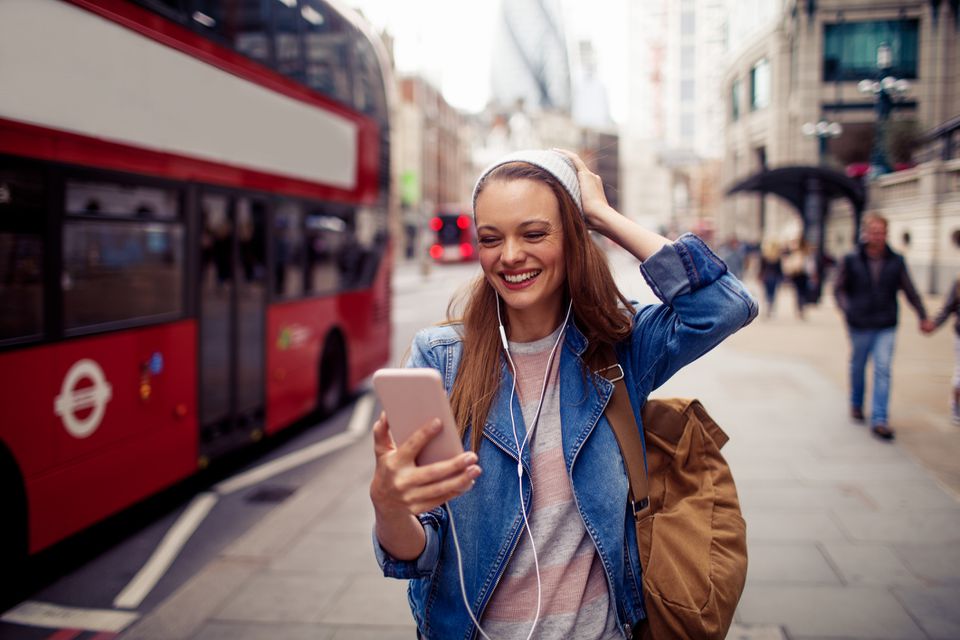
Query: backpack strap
column 620, row 415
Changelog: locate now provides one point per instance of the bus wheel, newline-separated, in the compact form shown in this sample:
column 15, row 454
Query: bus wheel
column 333, row 376
column 13, row 533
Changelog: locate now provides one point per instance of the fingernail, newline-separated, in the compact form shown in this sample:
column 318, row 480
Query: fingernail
column 474, row 471
column 435, row 427
column 470, row 457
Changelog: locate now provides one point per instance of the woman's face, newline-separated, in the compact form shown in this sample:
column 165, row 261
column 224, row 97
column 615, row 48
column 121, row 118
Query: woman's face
column 521, row 245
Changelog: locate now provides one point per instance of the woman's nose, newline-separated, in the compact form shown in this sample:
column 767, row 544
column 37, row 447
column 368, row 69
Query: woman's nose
column 512, row 252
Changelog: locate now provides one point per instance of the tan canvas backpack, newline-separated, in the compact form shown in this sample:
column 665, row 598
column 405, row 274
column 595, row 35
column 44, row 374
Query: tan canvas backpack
column 692, row 540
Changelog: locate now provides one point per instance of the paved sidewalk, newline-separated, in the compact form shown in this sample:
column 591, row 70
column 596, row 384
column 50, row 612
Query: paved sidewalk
column 849, row 537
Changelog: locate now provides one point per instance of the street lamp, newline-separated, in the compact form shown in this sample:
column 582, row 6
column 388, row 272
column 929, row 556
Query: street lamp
column 823, row 130
column 884, row 89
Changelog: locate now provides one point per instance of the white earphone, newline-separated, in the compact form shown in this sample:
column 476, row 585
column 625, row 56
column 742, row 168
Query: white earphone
column 520, row 446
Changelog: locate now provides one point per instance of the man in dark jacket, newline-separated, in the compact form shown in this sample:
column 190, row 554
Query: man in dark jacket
column 866, row 289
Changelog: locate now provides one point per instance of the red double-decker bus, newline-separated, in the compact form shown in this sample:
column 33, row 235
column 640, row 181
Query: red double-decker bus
column 194, row 246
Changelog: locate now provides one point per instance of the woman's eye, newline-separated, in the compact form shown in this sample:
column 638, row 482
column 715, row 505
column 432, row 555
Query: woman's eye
column 487, row 241
column 534, row 235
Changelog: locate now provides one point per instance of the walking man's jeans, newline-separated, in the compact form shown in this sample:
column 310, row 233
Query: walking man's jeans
column 876, row 344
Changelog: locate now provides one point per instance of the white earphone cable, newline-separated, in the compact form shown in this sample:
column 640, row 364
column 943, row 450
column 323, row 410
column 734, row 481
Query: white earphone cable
column 520, row 446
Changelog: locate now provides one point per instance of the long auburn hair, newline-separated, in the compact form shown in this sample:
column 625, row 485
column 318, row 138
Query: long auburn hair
column 600, row 310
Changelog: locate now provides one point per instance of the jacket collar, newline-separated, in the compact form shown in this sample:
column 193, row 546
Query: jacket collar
column 575, row 339
column 862, row 249
column 579, row 418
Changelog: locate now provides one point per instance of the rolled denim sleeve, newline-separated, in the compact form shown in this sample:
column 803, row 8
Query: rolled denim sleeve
column 702, row 305
column 682, row 267
column 425, row 562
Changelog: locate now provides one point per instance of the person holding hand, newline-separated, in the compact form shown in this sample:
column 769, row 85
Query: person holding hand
column 866, row 287
column 528, row 532
column 951, row 306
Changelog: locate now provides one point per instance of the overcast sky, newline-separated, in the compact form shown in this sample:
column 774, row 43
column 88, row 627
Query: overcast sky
column 450, row 42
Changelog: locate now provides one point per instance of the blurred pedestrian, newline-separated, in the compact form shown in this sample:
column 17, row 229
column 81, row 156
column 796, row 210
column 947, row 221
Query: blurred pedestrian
column 867, row 283
column 733, row 253
column 459, row 535
column 797, row 266
column 951, row 306
column 771, row 273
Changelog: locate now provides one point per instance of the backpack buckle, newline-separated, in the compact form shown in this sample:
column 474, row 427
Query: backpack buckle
column 639, row 506
column 618, row 374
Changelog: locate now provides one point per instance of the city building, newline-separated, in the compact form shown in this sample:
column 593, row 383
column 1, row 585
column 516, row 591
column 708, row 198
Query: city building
column 672, row 135
column 882, row 83
column 530, row 59
column 431, row 159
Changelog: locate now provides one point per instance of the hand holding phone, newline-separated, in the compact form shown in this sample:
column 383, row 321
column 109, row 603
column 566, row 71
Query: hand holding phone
column 412, row 398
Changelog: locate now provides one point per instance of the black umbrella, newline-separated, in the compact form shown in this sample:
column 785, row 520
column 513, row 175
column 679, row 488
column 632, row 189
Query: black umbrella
column 793, row 185
column 809, row 189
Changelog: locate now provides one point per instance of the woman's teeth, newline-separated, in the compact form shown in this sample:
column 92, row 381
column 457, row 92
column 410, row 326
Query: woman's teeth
column 515, row 279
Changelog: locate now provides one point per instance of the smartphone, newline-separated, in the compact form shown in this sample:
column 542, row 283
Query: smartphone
column 412, row 398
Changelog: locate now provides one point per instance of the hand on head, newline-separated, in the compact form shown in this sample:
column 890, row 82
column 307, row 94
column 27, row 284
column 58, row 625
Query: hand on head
column 595, row 204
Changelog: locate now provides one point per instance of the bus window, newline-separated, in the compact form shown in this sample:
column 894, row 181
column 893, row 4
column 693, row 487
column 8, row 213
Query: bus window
column 125, row 240
column 325, row 41
column 245, row 25
column 368, row 92
column 288, row 249
column 326, row 235
column 287, row 41
column 21, row 254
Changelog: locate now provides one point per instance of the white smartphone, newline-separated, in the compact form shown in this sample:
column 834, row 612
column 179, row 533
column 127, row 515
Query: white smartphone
column 412, row 398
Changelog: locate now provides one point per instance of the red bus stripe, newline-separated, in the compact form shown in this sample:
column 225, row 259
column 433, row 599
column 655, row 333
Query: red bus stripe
column 104, row 635
column 42, row 143
column 65, row 634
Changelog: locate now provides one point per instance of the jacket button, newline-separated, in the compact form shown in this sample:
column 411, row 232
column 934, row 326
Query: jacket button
column 628, row 631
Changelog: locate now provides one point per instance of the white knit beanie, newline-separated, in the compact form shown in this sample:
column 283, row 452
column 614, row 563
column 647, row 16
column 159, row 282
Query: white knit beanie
column 553, row 162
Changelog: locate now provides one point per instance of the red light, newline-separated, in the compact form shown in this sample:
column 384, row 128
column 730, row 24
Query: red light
column 466, row 249
column 464, row 221
column 436, row 224
column 436, row 252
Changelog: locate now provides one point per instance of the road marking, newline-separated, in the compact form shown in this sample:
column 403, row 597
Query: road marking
column 43, row 614
column 166, row 552
column 146, row 579
column 360, row 420
column 359, row 424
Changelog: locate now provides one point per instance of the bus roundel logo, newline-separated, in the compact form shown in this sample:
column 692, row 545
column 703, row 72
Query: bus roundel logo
column 82, row 409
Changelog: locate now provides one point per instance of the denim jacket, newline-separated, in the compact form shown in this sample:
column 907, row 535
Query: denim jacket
column 702, row 305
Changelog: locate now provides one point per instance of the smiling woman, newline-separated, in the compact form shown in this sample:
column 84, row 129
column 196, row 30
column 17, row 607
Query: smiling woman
column 542, row 540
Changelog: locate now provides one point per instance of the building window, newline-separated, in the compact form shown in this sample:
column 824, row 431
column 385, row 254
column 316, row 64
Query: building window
column 850, row 49
column 735, row 100
column 688, row 23
column 760, row 85
column 687, row 125
column 687, row 93
column 687, row 61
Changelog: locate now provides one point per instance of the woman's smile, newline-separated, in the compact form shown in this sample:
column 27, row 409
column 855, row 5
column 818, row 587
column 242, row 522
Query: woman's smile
column 520, row 279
